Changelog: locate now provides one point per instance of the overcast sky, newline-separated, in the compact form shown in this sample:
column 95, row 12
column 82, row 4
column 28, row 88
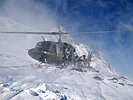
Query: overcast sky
column 83, row 15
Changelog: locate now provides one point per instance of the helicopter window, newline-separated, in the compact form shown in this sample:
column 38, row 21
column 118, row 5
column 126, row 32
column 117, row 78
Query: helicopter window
column 39, row 45
column 53, row 48
column 46, row 46
column 43, row 45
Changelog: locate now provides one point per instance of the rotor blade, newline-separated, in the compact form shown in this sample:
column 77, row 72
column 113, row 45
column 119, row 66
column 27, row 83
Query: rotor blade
column 105, row 31
column 39, row 33
column 57, row 33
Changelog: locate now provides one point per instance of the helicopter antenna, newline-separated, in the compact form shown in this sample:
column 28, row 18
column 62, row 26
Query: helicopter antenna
column 43, row 38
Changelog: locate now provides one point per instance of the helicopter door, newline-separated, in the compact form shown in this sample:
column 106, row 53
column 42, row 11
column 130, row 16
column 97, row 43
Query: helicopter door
column 52, row 48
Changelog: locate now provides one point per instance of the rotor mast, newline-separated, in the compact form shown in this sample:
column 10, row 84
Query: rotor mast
column 60, row 33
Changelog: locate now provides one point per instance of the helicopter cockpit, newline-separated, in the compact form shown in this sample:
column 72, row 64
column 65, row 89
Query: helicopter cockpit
column 39, row 44
column 44, row 45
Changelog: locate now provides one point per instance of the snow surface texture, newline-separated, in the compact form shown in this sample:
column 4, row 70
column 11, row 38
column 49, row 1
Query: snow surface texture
column 21, row 79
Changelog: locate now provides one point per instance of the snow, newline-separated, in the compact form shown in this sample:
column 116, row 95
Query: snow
column 22, row 79
column 46, row 83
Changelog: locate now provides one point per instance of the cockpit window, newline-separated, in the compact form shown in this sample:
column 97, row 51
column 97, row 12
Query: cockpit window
column 39, row 45
column 44, row 45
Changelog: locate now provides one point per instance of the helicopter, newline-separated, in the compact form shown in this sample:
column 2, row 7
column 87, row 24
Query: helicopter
column 52, row 52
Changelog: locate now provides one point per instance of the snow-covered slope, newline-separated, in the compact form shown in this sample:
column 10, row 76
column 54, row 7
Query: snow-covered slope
column 49, row 82
column 21, row 79
column 9, row 60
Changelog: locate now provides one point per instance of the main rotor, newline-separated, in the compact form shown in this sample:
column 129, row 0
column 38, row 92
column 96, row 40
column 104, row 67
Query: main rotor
column 60, row 32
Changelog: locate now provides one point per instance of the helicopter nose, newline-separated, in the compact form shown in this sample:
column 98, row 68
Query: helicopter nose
column 35, row 53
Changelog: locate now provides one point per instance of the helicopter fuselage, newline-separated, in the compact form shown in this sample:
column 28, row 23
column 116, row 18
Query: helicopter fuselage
column 52, row 52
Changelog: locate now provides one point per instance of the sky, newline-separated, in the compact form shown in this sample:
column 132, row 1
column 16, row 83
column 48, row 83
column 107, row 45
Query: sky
column 83, row 16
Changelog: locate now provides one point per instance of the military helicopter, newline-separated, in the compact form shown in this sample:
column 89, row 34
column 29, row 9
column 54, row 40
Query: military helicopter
column 54, row 52
column 49, row 51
